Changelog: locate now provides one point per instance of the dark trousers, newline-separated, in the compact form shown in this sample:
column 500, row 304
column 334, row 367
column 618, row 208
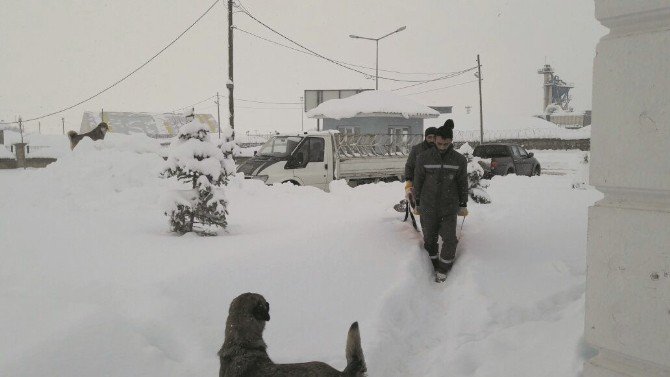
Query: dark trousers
column 434, row 226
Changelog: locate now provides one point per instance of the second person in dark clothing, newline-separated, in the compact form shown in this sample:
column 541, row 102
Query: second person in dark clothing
column 427, row 143
column 441, row 189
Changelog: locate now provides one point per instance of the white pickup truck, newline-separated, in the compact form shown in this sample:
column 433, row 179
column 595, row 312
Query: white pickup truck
column 318, row 158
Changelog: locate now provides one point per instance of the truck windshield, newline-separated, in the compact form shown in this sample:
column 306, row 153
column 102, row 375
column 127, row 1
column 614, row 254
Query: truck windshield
column 279, row 146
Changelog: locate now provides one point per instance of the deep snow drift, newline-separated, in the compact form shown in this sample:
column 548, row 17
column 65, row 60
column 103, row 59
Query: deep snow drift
column 93, row 284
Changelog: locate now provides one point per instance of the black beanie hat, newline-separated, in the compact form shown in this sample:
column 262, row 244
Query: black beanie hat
column 430, row 131
column 447, row 130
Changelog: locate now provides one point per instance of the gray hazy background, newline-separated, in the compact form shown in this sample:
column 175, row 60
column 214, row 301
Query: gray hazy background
column 54, row 54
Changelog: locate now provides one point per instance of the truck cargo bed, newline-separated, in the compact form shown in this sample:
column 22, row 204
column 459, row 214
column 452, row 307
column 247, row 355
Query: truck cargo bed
column 372, row 167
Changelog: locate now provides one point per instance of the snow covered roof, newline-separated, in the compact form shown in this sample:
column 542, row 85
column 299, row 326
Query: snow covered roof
column 506, row 126
column 372, row 103
column 147, row 123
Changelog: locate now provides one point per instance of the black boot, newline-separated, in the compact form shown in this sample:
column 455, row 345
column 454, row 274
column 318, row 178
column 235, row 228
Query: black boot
column 441, row 273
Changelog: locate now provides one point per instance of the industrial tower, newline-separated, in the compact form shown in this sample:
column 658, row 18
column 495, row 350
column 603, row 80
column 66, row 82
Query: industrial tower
column 556, row 91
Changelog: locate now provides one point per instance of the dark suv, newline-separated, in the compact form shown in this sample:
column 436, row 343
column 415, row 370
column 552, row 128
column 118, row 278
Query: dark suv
column 506, row 159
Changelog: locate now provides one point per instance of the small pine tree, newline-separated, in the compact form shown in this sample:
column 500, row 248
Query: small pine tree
column 194, row 159
column 476, row 186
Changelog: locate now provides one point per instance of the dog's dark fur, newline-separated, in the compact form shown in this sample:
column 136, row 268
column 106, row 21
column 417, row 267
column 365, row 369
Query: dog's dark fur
column 244, row 353
column 98, row 133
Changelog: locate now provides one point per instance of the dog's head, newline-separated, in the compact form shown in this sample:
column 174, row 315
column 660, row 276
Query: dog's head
column 246, row 321
column 250, row 305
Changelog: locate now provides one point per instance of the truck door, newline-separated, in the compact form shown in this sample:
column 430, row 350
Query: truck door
column 516, row 159
column 520, row 162
column 527, row 162
column 313, row 170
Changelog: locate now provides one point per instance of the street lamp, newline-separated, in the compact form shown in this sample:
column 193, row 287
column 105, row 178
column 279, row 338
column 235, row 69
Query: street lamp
column 377, row 43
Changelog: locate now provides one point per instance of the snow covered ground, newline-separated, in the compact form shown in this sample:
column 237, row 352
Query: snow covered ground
column 93, row 284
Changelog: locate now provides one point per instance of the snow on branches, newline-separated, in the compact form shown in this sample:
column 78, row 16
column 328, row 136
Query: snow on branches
column 476, row 185
column 194, row 159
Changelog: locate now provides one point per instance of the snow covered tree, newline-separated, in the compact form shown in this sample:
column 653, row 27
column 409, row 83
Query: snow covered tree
column 476, row 185
column 194, row 159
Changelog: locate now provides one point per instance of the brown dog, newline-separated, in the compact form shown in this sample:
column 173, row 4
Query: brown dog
column 244, row 353
column 98, row 133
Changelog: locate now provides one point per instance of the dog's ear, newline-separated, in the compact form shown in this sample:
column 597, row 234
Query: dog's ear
column 261, row 311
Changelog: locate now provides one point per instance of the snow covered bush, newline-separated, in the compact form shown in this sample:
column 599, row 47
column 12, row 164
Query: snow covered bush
column 476, row 185
column 193, row 158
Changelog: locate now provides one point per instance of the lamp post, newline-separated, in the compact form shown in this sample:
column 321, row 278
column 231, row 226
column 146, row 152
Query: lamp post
column 377, row 48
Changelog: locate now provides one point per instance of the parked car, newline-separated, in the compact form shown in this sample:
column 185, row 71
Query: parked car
column 503, row 159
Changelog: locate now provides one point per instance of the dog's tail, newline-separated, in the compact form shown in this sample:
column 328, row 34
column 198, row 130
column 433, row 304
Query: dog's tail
column 72, row 135
column 355, row 361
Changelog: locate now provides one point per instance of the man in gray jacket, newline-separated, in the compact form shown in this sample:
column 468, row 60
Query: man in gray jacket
column 441, row 189
column 427, row 143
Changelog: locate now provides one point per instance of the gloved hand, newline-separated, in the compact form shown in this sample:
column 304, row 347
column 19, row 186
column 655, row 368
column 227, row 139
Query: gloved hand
column 409, row 192
column 416, row 210
column 462, row 211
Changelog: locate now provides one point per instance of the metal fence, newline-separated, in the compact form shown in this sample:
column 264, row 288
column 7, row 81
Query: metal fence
column 516, row 134
column 352, row 145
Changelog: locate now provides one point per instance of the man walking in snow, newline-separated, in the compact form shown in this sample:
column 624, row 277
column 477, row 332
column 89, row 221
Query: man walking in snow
column 427, row 143
column 441, row 188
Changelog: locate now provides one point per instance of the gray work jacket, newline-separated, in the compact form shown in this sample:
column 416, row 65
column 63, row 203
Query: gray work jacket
column 411, row 160
column 441, row 182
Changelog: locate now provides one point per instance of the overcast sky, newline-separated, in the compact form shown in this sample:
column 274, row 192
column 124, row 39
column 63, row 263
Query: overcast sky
column 55, row 54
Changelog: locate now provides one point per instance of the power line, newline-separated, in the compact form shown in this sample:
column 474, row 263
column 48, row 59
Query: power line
column 269, row 108
column 241, row 100
column 273, row 103
column 444, row 87
column 327, row 58
column 128, row 75
column 197, row 103
column 437, row 79
column 339, row 61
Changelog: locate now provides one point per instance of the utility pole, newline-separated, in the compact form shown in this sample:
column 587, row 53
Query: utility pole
column 302, row 118
column 377, row 50
column 481, row 112
column 377, row 66
column 218, row 113
column 230, row 84
column 21, row 128
column 39, row 128
column 63, row 121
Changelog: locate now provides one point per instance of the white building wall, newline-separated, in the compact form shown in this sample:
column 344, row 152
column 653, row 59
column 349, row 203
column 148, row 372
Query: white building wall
column 628, row 279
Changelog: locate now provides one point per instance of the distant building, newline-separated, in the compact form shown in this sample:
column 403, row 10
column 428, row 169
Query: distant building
column 315, row 97
column 151, row 124
column 556, row 91
column 373, row 112
column 570, row 120
column 556, row 103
